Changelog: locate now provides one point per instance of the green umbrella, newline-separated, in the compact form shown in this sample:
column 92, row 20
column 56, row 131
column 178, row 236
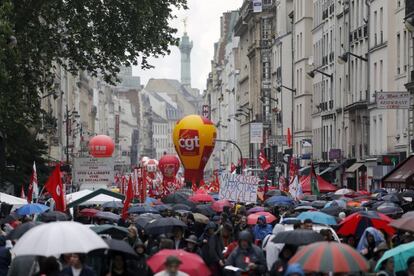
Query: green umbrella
column 400, row 254
column 116, row 232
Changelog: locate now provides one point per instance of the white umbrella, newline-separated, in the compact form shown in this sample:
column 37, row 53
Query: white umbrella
column 57, row 238
column 344, row 191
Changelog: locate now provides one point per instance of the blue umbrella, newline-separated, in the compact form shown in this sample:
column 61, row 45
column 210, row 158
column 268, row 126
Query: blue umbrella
column 336, row 203
column 142, row 210
column 400, row 254
column 318, row 217
column 279, row 200
column 150, row 200
column 31, row 209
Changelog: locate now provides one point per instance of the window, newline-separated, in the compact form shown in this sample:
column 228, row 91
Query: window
column 375, row 27
column 375, row 77
column 300, row 45
column 340, row 37
column 381, row 77
column 382, row 24
column 398, row 54
column 405, row 51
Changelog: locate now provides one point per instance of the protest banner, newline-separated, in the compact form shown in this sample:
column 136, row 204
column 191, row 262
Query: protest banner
column 239, row 188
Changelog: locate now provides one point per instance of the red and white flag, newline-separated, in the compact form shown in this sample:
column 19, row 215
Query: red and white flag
column 33, row 190
column 54, row 186
column 128, row 198
column 232, row 167
column 22, row 195
column 264, row 164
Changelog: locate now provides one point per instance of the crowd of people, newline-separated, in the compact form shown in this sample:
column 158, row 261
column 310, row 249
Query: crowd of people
column 228, row 243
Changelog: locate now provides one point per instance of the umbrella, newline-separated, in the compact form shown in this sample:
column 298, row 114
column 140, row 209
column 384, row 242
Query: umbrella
column 107, row 216
column 204, row 209
column 304, row 208
column 180, row 206
column 318, row 217
column 390, row 210
column 330, row 257
column 353, row 204
column 113, row 205
column 252, row 218
column 143, row 219
column 162, row 207
column 319, row 204
column 120, row 246
column 405, row 223
column 20, row 230
column 298, row 237
column 10, row 217
column 219, row 205
column 356, row 223
column 408, row 193
column 333, row 210
column 53, row 216
column 408, row 214
column 88, row 212
column 400, row 254
column 255, row 210
column 116, row 232
column 393, row 198
column 344, row 192
column 150, row 200
column 275, row 193
column 31, row 209
column 201, row 198
column 192, row 264
column 163, row 225
column 200, row 218
column 58, row 238
column 142, row 210
column 336, row 203
column 175, row 198
column 274, row 200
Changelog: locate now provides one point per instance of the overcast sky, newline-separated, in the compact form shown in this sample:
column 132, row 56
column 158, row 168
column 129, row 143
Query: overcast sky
column 203, row 27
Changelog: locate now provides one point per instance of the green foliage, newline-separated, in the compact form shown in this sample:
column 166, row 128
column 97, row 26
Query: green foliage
column 98, row 36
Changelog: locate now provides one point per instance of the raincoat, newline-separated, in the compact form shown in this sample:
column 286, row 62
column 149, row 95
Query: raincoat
column 272, row 249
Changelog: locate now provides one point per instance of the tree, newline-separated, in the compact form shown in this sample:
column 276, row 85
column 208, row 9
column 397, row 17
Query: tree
column 81, row 35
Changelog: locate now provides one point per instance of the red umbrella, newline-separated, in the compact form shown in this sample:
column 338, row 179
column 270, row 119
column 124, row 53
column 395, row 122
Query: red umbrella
column 88, row 212
column 192, row 264
column 330, row 257
column 201, row 198
column 218, row 205
column 356, row 223
column 252, row 219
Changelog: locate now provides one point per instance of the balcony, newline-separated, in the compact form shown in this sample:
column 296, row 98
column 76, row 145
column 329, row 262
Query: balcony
column 331, row 104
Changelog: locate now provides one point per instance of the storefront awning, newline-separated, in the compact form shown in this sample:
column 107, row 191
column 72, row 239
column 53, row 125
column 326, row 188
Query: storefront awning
column 354, row 167
column 401, row 176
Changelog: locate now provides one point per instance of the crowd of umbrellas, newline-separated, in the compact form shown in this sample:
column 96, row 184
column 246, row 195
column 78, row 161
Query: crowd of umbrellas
column 100, row 231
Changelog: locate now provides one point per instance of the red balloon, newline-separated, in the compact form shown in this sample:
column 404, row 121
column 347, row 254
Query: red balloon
column 101, row 146
column 169, row 166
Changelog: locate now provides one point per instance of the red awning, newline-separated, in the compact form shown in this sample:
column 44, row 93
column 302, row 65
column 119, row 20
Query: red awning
column 324, row 186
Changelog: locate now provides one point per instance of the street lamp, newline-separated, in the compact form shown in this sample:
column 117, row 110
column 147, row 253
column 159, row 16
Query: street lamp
column 69, row 114
column 409, row 23
column 279, row 89
column 311, row 74
column 345, row 56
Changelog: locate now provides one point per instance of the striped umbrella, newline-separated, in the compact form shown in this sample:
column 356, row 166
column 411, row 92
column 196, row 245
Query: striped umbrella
column 329, row 257
column 356, row 223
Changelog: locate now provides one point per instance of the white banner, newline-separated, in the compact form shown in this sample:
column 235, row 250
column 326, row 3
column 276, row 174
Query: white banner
column 256, row 133
column 257, row 5
column 393, row 100
column 93, row 173
column 238, row 188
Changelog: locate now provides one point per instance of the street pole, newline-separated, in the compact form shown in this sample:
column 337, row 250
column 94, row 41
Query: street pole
column 238, row 148
column 67, row 135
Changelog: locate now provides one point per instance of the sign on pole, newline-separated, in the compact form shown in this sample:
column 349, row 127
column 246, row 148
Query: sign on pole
column 393, row 100
column 93, row 173
column 206, row 111
column 238, row 188
column 256, row 133
column 257, row 5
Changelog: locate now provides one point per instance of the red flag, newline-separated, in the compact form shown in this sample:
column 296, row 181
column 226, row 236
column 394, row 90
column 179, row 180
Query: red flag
column 128, row 198
column 22, row 195
column 264, row 164
column 55, row 188
column 292, row 170
column 289, row 138
column 232, row 167
column 33, row 188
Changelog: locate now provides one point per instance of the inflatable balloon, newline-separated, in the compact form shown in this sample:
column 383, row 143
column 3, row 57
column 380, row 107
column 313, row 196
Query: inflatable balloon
column 151, row 165
column 101, row 146
column 194, row 139
column 169, row 166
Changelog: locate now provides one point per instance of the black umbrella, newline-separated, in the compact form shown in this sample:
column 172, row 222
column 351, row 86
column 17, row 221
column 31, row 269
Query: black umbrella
column 120, row 246
column 53, row 216
column 332, row 210
column 163, row 226
column 393, row 198
column 20, row 230
column 319, row 204
column 408, row 193
column 107, row 216
column 390, row 210
column 204, row 209
column 113, row 205
column 304, row 208
column 9, row 218
column 175, row 198
column 180, row 206
column 142, row 210
column 116, row 232
column 298, row 237
column 162, row 207
column 275, row 193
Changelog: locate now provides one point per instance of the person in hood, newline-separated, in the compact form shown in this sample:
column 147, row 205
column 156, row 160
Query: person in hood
column 261, row 229
column 212, row 248
column 370, row 239
column 192, row 245
column 247, row 256
column 272, row 249
column 140, row 263
column 5, row 257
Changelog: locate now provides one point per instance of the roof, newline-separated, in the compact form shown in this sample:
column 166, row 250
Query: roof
column 12, row 200
column 169, row 86
column 402, row 174
column 324, row 186
column 85, row 197
column 354, row 167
